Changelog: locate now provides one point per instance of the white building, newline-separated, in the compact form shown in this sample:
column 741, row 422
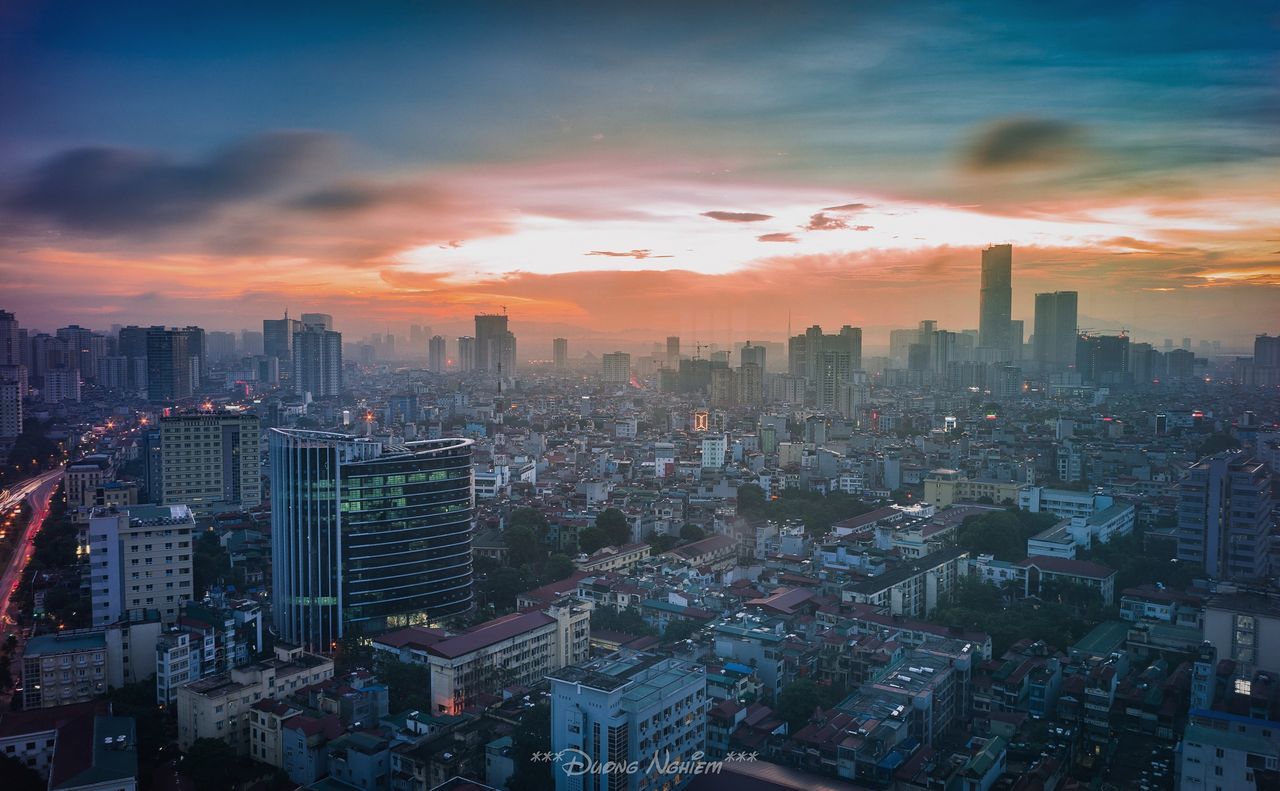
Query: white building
column 639, row 709
column 714, row 447
column 140, row 557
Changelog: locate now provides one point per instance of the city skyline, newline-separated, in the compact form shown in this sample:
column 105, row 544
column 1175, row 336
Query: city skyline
column 634, row 176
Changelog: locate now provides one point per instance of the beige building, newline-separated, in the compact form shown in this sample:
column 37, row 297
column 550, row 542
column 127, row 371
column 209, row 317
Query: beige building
column 58, row 669
column 614, row 558
column 211, row 462
column 83, row 478
column 220, row 707
column 140, row 557
column 944, row 487
column 1245, row 628
column 516, row 649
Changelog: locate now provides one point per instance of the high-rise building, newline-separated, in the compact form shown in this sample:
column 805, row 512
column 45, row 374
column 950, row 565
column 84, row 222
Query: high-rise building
column 277, row 337
column 171, row 368
column 673, row 351
column 61, row 385
column 435, row 354
column 1055, row 329
column 752, row 354
column 220, row 346
column 210, row 461
column 10, row 340
column 616, row 367
column 82, row 349
column 996, row 303
column 367, row 535
column 560, row 353
column 317, row 361
column 466, row 353
column 620, row 710
column 495, row 345
column 132, row 345
column 826, row 361
column 140, row 557
column 10, row 408
column 318, row 320
column 1224, row 517
column 1103, row 359
column 250, row 343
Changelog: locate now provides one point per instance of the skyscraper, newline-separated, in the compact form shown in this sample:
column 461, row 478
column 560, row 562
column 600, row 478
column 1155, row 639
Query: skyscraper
column 171, row 370
column 317, row 361
column 210, row 461
column 367, row 535
column 466, row 353
column 996, row 304
column 560, row 353
column 752, row 354
column 1103, row 359
column 495, row 345
column 435, row 354
column 673, row 352
column 1055, row 329
column 1224, row 517
column 277, row 337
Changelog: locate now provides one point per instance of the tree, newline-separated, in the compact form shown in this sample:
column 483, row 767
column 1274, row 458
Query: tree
column 615, row 526
column 592, row 538
column 629, row 621
column 210, row 764
column 798, row 700
column 692, row 533
column 533, row 736
column 502, row 586
column 523, row 545
column 210, row 563
column 680, row 629
column 661, row 542
column 556, row 568
column 1216, row 443
column 751, row 499
column 531, row 518
column 408, row 685
column 18, row 776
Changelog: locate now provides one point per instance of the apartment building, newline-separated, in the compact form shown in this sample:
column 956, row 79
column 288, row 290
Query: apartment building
column 140, row 557
column 58, row 669
column 614, row 558
column 219, row 707
column 944, row 487
column 913, row 588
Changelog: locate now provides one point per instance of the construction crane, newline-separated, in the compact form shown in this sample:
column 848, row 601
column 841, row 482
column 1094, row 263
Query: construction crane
column 698, row 347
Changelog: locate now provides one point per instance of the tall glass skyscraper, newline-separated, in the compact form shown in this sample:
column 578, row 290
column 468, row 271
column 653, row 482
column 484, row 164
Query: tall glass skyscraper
column 367, row 535
column 996, row 304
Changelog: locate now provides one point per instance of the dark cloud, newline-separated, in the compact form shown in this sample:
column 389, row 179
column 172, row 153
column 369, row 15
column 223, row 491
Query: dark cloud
column 849, row 207
column 1016, row 143
column 821, row 222
column 639, row 255
column 108, row 190
column 339, row 198
column 777, row 237
column 737, row 216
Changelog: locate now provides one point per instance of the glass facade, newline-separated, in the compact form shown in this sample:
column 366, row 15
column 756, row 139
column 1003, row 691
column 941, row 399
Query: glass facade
column 367, row 536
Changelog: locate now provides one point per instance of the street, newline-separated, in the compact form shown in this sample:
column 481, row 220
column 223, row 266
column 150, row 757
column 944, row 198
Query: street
column 37, row 490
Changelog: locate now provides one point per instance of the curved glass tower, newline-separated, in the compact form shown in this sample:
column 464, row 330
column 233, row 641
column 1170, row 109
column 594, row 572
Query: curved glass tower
column 366, row 535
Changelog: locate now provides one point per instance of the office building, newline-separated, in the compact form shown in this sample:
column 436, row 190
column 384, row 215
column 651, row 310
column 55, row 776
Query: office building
column 628, row 709
column 172, row 363
column 1055, row 329
column 435, row 354
column 58, row 669
column 317, row 362
column 82, row 348
column 277, row 337
column 996, row 301
column 495, row 346
column 673, row 351
column 560, row 353
column 616, row 368
column 131, row 344
column 1224, row 517
column 367, row 535
column 140, row 557
column 210, row 461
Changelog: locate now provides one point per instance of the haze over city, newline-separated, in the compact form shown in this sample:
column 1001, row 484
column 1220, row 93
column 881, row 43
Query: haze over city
column 619, row 175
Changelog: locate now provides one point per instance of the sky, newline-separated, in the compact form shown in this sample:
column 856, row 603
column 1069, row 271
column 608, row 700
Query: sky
column 619, row 172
